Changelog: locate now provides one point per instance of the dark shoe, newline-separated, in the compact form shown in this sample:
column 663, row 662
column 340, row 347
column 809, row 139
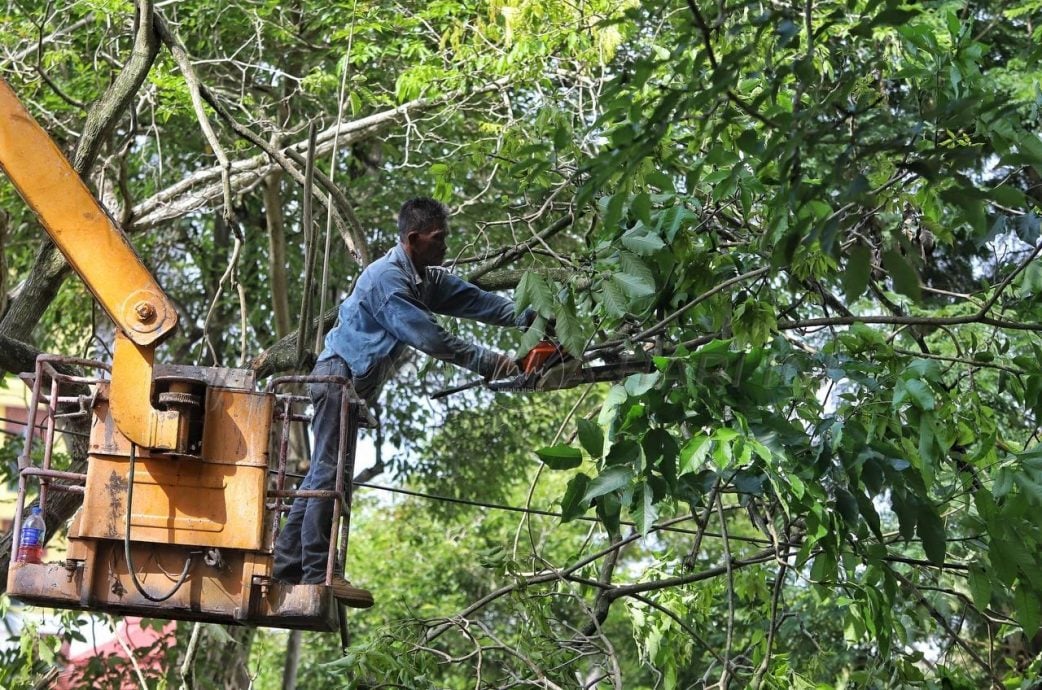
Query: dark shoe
column 349, row 595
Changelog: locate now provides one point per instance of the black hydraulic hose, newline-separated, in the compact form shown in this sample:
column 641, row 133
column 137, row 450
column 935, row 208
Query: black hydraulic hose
column 126, row 541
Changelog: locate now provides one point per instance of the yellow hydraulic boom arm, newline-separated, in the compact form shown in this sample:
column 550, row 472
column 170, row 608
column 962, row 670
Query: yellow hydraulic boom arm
column 99, row 252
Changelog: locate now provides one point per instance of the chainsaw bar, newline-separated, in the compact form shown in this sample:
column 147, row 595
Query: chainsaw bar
column 565, row 375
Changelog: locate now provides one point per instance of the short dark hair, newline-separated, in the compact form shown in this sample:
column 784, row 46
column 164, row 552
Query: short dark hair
column 419, row 214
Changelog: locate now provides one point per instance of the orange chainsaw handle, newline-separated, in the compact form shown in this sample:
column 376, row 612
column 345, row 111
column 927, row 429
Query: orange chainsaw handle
column 538, row 355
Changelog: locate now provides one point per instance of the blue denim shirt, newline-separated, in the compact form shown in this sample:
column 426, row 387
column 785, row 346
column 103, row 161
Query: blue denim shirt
column 393, row 307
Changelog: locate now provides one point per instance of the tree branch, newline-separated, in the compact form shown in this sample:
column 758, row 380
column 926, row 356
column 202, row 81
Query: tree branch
column 512, row 253
column 197, row 191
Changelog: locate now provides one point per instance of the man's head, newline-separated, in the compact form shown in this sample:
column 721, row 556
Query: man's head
column 422, row 226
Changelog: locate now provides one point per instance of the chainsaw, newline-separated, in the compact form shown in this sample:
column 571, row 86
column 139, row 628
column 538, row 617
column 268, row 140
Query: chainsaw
column 546, row 367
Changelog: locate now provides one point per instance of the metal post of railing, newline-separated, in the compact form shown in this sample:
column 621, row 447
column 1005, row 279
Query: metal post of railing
column 351, row 430
column 25, row 459
column 48, row 443
column 338, row 505
column 280, row 477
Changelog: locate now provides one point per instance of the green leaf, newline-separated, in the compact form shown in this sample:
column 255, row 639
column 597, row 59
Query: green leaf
column 560, row 457
column 533, row 335
column 616, row 396
column 859, row 267
column 533, row 291
column 824, row 568
column 643, row 242
column 635, row 278
column 608, row 509
column 906, row 509
column 797, row 486
column 639, row 384
column 660, row 452
column 1031, row 146
column 640, row 206
column 980, row 586
column 569, row 329
column 613, row 213
column 626, row 452
column 1026, row 603
column 613, row 299
column 643, row 509
column 1031, row 488
column 572, row 505
column 906, row 280
column 916, row 391
column 633, row 286
column 562, row 137
column 847, row 506
column 611, row 479
column 868, row 511
column 591, row 438
column 931, row 531
column 694, row 452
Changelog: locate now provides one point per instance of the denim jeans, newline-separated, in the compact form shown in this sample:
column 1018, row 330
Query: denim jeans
column 303, row 544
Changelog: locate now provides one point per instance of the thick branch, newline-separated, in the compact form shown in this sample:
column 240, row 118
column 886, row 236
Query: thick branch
column 509, row 278
column 16, row 356
column 103, row 115
column 282, row 356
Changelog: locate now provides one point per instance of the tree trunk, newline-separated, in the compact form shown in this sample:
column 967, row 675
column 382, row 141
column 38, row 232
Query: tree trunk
column 289, row 670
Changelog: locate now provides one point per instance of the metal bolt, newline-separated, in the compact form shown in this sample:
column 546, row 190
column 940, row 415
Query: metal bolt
column 145, row 312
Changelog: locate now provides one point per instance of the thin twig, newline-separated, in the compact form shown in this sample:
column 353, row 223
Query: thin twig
column 130, row 656
column 765, row 663
column 725, row 674
column 186, row 665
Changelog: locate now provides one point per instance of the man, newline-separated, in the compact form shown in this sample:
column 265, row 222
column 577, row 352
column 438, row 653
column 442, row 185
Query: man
column 391, row 308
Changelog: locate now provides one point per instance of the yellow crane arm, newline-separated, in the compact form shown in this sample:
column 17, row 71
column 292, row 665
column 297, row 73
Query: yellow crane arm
column 100, row 253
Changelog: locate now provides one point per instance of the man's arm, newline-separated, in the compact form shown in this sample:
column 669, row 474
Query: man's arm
column 413, row 324
column 454, row 296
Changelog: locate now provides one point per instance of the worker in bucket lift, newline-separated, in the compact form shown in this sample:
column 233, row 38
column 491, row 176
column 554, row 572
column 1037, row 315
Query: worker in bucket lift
column 391, row 308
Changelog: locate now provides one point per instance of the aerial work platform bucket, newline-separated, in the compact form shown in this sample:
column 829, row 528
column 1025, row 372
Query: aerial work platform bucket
column 186, row 536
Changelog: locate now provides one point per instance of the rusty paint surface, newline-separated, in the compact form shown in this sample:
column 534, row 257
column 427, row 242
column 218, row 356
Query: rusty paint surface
column 236, row 426
column 214, row 501
column 130, row 400
column 240, row 592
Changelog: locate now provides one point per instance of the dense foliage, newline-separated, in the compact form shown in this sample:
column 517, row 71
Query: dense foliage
column 810, row 229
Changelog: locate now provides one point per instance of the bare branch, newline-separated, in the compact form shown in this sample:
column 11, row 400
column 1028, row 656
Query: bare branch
column 197, row 191
column 184, row 63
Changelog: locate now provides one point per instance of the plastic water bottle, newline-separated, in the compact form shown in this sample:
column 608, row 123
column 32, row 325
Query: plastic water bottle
column 30, row 544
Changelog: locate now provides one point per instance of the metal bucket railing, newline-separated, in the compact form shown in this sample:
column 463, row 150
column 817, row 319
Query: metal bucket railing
column 354, row 414
column 47, row 382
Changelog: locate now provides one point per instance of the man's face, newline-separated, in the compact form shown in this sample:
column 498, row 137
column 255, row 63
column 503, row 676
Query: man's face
column 427, row 247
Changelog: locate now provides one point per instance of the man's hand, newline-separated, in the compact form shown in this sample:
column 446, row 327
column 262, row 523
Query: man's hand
column 505, row 368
